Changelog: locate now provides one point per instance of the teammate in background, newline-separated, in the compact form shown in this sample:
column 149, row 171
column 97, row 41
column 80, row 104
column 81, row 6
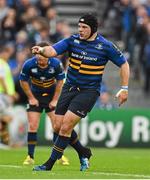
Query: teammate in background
column 89, row 53
column 41, row 79
column 7, row 94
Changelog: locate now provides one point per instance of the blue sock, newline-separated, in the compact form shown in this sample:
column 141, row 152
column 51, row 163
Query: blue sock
column 60, row 144
column 55, row 135
column 75, row 143
column 32, row 141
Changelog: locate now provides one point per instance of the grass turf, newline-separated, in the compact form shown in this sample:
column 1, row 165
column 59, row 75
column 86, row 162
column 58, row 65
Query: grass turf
column 105, row 164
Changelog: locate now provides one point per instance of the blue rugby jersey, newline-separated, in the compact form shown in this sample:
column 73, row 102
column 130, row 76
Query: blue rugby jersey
column 42, row 80
column 87, row 59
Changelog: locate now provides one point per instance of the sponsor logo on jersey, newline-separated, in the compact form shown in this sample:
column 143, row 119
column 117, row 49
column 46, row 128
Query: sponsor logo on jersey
column 84, row 57
column 98, row 46
column 83, row 53
column 76, row 41
column 34, row 70
column 51, row 70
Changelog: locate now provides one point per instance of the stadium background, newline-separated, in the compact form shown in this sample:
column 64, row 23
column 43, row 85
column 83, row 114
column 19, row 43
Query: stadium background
column 26, row 22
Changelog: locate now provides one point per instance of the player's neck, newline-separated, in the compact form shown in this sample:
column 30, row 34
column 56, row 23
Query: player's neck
column 93, row 37
column 43, row 66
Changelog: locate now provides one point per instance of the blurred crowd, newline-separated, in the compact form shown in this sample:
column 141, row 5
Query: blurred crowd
column 130, row 20
column 23, row 23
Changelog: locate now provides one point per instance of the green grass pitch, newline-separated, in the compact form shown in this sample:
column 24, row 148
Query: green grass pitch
column 105, row 164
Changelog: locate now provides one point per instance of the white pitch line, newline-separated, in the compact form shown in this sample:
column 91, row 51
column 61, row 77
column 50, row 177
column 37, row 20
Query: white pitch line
column 122, row 174
column 10, row 166
column 96, row 173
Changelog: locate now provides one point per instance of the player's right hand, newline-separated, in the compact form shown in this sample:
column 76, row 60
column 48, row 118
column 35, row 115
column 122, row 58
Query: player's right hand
column 33, row 102
column 37, row 50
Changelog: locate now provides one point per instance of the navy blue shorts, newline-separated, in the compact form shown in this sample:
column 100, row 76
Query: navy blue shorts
column 78, row 101
column 44, row 100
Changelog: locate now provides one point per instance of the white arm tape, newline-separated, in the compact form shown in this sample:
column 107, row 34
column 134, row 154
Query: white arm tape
column 118, row 93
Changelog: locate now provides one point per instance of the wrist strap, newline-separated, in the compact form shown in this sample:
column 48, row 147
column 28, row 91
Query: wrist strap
column 124, row 87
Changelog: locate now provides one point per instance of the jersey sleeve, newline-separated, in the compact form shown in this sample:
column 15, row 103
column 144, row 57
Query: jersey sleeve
column 25, row 72
column 61, row 46
column 115, row 55
column 60, row 74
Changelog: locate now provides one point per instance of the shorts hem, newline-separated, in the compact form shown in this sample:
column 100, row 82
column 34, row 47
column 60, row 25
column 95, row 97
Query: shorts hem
column 78, row 114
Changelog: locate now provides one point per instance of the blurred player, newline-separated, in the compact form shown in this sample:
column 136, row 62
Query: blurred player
column 89, row 52
column 7, row 94
column 41, row 79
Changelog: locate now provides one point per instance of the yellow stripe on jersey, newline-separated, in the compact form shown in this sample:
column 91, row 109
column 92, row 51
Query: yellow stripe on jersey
column 44, row 85
column 45, row 81
column 87, row 68
column 91, row 66
column 74, row 66
column 75, row 61
column 91, row 72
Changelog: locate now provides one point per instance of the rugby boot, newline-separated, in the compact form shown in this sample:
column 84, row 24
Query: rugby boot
column 28, row 161
column 40, row 168
column 84, row 160
column 63, row 161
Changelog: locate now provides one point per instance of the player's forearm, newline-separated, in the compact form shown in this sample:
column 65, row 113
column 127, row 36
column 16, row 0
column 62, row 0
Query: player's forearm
column 58, row 90
column 26, row 88
column 48, row 51
column 124, row 74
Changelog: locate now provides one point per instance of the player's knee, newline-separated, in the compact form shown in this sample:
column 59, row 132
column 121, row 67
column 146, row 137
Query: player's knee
column 56, row 127
column 65, row 130
column 33, row 127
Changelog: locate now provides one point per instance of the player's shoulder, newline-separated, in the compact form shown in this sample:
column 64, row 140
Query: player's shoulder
column 54, row 61
column 30, row 62
column 104, row 41
column 74, row 37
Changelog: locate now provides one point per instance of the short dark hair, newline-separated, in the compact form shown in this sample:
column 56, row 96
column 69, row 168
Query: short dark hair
column 43, row 43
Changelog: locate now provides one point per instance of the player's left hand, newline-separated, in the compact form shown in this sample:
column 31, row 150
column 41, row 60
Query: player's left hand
column 122, row 96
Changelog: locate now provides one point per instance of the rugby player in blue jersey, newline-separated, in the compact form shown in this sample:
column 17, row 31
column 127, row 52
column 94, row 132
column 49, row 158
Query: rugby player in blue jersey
column 41, row 79
column 89, row 53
